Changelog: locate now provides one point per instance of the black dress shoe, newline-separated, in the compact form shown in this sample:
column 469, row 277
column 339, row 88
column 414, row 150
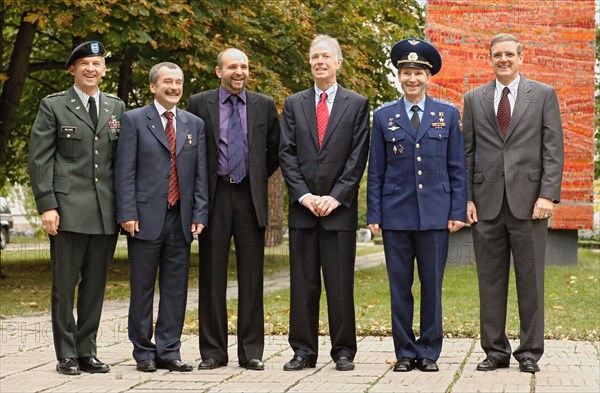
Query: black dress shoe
column 146, row 366
column 93, row 365
column 254, row 364
column 427, row 365
column 68, row 366
column 173, row 365
column 490, row 364
column 210, row 364
column 404, row 364
column 528, row 365
column 298, row 363
column 344, row 364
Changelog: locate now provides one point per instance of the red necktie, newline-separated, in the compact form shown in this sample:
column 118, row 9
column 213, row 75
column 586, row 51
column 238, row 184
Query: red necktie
column 173, row 181
column 503, row 114
column 322, row 117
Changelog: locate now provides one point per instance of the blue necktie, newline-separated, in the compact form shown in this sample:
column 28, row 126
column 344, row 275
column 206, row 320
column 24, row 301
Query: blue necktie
column 236, row 158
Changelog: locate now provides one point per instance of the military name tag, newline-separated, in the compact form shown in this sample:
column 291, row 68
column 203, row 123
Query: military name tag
column 68, row 129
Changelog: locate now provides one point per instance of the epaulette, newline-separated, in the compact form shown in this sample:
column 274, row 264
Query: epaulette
column 60, row 93
column 444, row 102
column 114, row 97
column 385, row 106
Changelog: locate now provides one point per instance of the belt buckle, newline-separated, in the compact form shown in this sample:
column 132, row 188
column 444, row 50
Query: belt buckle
column 231, row 181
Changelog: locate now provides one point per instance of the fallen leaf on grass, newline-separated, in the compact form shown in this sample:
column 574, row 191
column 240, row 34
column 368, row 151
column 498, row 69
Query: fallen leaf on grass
column 30, row 304
column 557, row 307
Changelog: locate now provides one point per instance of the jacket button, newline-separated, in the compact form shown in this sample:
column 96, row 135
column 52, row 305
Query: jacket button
column 419, row 172
column 96, row 152
column 96, row 180
column 420, row 186
column 96, row 138
column 419, row 159
column 418, row 145
column 68, row 135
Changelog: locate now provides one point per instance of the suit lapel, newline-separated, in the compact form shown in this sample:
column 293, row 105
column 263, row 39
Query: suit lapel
column 181, row 130
column 213, row 115
column 310, row 113
column 106, row 109
column 77, row 107
column 402, row 120
column 429, row 116
column 155, row 125
column 251, row 111
column 487, row 105
column 340, row 104
column 524, row 98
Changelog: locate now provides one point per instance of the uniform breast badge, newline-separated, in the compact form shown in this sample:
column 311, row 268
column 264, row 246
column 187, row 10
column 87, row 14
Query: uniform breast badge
column 441, row 123
column 114, row 124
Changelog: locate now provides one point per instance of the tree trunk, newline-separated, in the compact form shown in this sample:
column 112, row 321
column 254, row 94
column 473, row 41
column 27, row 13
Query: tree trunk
column 12, row 90
column 125, row 79
column 274, row 232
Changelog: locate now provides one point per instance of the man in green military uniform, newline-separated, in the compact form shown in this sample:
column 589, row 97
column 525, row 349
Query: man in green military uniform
column 73, row 141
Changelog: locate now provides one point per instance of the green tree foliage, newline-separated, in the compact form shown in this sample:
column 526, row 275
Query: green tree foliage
column 37, row 37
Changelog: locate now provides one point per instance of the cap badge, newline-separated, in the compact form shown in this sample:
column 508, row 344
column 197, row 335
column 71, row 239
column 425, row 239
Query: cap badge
column 412, row 56
column 414, row 42
column 95, row 47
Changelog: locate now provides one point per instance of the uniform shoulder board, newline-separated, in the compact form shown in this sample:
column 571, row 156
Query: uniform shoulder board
column 444, row 102
column 385, row 106
column 58, row 94
column 114, row 97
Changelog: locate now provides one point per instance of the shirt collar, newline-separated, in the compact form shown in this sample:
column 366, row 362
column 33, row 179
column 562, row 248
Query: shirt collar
column 512, row 86
column 224, row 95
column 84, row 97
column 330, row 92
column 408, row 105
column 161, row 109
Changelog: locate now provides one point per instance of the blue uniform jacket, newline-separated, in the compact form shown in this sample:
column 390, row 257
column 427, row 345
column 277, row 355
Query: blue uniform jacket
column 417, row 181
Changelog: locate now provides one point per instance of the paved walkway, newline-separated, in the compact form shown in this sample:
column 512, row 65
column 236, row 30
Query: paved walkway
column 27, row 363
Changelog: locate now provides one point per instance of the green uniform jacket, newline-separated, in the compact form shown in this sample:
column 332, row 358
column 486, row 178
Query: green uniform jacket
column 71, row 164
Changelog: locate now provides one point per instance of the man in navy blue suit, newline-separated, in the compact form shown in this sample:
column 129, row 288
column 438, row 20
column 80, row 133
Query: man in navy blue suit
column 162, row 200
column 416, row 195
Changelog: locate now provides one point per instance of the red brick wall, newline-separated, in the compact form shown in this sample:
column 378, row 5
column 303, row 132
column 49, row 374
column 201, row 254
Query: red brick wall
column 558, row 44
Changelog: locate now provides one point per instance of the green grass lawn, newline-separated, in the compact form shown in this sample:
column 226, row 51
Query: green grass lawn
column 572, row 294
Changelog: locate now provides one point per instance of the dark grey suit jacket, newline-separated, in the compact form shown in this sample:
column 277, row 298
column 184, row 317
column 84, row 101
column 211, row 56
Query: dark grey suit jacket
column 336, row 168
column 528, row 164
column 142, row 168
column 263, row 142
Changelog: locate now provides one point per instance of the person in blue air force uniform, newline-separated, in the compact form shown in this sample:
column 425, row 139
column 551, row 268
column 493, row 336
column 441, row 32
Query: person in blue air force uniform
column 416, row 195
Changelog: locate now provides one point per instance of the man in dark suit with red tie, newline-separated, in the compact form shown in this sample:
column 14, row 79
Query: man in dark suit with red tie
column 162, row 201
column 514, row 154
column 242, row 129
column 323, row 154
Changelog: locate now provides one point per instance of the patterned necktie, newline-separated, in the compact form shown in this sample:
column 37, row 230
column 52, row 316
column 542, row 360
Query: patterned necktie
column 414, row 120
column 236, row 156
column 173, row 196
column 503, row 114
column 322, row 117
column 93, row 111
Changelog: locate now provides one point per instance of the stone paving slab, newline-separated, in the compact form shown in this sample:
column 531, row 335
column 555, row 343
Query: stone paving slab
column 27, row 363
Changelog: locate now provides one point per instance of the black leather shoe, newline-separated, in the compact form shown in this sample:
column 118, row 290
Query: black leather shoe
column 146, row 366
column 93, row 365
column 490, row 364
column 173, row 365
column 298, row 363
column 210, row 364
column 254, row 364
column 528, row 365
column 427, row 365
column 404, row 364
column 68, row 366
column 344, row 364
